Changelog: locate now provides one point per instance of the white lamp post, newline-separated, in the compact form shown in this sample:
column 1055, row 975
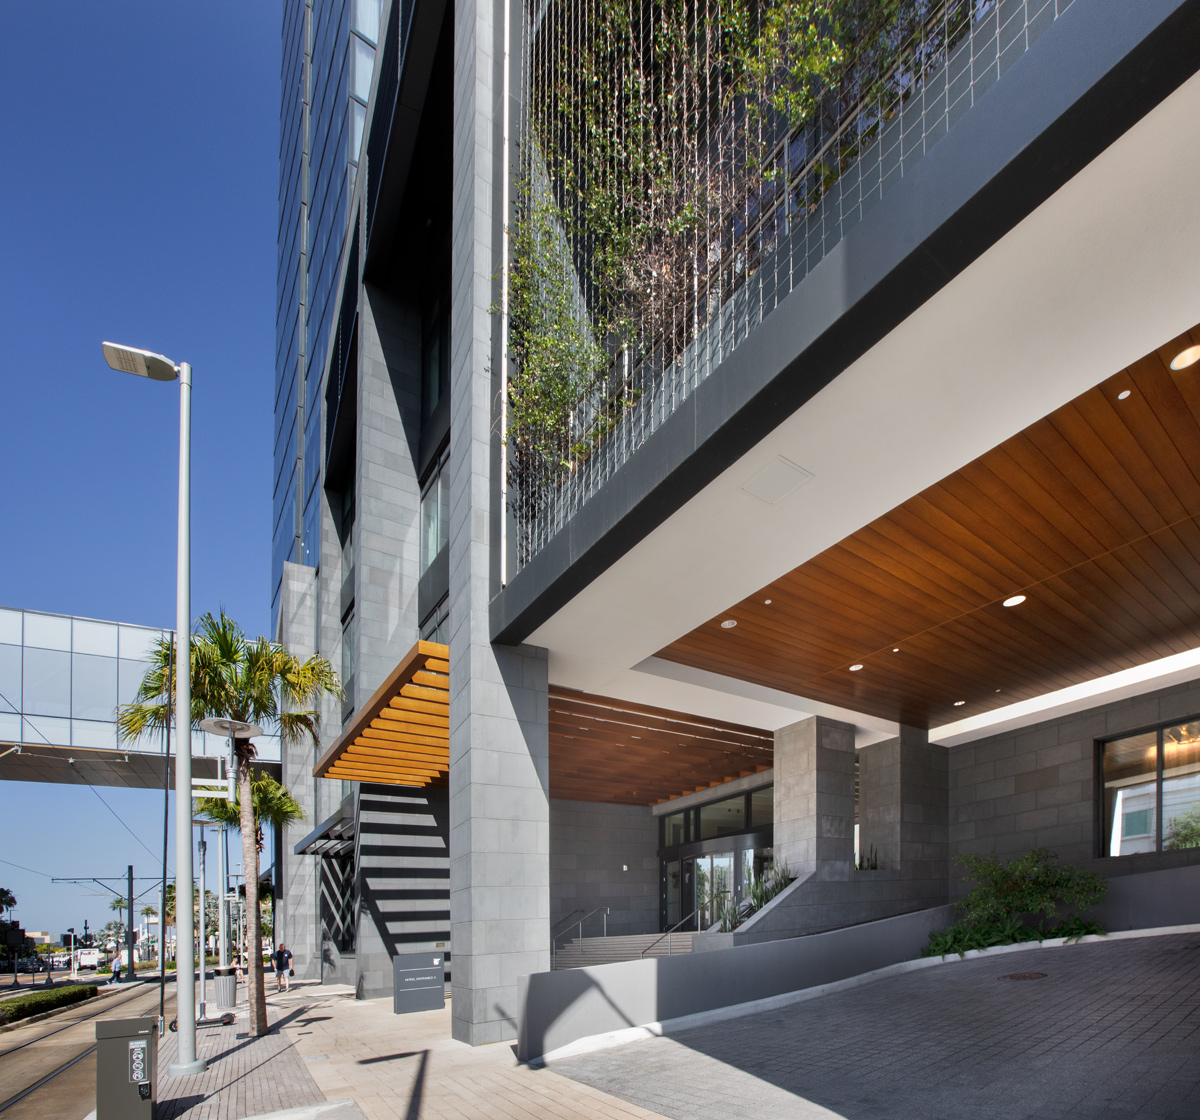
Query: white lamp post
column 144, row 363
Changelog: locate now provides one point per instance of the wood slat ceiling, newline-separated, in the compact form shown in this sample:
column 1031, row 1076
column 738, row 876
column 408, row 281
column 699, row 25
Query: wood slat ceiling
column 1093, row 513
column 611, row 750
column 401, row 736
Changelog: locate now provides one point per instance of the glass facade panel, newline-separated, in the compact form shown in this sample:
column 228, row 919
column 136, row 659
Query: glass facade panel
column 93, row 687
column 129, row 678
column 91, row 733
column 762, row 806
column 10, row 678
column 47, row 631
column 94, row 637
column 367, row 14
column 1130, row 794
column 1181, row 786
column 46, row 729
column 723, row 818
column 364, row 64
column 10, row 627
column 46, row 681
column 137, row 643
column 435, row 520
column 358, row 120
column 674, row 830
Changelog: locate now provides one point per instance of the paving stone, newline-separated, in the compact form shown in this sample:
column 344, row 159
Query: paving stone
column 1112, row 1031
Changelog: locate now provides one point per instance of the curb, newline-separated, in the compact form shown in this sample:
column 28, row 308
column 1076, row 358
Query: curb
column 91, row 1002
column 591, row 1043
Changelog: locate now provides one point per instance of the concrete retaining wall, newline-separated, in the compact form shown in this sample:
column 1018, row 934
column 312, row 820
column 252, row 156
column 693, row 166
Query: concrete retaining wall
column 556, row 1008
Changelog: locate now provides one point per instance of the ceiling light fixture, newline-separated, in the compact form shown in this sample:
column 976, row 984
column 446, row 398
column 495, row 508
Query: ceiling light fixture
column 1123, row 394
column 1014, row 600
column 1185, row 358
column 959, row 703
column 767, row 601
column 855, row 668
column 729, row 624
column 895, row 649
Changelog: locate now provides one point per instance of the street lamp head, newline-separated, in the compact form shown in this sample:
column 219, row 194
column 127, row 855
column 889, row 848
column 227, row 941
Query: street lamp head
column 230, row 728
column 143, row 363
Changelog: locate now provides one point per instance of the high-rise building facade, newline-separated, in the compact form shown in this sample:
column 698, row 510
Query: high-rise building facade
column 328, row 60
column 724, row 459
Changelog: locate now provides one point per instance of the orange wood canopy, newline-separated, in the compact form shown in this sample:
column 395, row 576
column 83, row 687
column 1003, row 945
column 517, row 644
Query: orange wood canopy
column 401, row 736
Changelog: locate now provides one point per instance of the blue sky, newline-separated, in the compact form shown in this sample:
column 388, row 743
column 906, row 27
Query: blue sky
column 138, row 199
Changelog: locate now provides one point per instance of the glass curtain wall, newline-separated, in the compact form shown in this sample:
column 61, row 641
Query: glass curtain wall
column 710, row 856
column 1151, row 791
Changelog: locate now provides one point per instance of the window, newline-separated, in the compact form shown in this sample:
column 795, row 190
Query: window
column 367, row 14
column 435, row 513
column 722, row 818
column 674, row 830
column 435, row 359
column 1151, row 791
column 348, row 650
column 436, row 628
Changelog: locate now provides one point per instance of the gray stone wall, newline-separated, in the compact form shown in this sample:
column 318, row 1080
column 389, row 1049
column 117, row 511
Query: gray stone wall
column 1037, row 787
column 814, row 798
column 604, row 855
column 296, row 900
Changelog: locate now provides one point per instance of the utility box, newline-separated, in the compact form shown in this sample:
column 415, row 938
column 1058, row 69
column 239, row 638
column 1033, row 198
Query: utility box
column 126, row 1069
column 418, row 983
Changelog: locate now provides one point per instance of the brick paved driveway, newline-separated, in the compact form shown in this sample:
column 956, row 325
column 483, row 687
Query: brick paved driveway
column 1112, row 1031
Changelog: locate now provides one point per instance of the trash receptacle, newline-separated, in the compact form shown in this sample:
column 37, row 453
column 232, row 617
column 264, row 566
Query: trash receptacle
column 126, row 1068
column 225, row 986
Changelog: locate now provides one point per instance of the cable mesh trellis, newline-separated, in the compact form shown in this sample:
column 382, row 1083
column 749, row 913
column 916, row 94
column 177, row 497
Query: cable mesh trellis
column 683, row 165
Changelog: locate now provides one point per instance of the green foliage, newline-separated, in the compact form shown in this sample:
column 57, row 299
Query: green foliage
column 1032, row 886
column 1184, row 830
column 7, row 899
column 867, row 861
column 1014, row 902
column 272, row 804
column 775, row 878
column 22, row 1007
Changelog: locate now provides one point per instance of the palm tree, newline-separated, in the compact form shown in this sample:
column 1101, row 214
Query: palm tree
column 255, row 681
column 273, row 805
column 7, row 900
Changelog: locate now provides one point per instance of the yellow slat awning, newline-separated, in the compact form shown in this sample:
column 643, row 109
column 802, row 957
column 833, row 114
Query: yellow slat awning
column 401, row 736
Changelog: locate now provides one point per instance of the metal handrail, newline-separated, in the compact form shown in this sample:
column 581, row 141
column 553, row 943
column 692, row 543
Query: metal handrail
column 667, row 935
column 566, row 919
column 595, row 910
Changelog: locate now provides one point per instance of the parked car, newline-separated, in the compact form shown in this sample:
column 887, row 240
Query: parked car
column 32, row 964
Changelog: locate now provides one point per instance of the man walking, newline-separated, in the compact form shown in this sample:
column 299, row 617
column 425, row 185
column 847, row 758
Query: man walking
column 282, row 958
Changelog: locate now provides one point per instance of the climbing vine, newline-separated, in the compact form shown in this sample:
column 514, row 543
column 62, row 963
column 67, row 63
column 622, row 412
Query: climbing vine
column 656, row 134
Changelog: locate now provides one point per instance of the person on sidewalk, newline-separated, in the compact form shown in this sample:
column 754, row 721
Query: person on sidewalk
column 116, row 969
column 282, row 958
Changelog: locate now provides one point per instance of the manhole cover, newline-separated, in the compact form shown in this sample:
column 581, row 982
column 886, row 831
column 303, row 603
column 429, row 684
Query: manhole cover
column 1024, row 976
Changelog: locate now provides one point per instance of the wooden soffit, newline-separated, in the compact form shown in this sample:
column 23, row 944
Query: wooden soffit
column 615, row 751
column 401, row 736
column 1092, row 513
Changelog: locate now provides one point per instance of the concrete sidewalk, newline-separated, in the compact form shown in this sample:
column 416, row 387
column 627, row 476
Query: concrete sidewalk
column 408, row 1066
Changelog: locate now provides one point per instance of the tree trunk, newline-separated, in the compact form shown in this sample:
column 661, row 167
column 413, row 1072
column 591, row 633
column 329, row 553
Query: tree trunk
column 254, row 971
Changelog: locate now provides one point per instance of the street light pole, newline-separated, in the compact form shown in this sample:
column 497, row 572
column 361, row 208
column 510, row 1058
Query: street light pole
column 144, row 363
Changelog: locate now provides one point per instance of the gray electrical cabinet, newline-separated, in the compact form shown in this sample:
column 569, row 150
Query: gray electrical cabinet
column 418, row 982
column 126, row 1069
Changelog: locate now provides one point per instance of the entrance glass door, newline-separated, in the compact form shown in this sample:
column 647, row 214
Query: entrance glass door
column 712, row 878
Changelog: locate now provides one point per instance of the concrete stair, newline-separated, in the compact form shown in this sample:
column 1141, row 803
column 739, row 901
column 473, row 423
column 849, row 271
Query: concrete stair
column 584, row 951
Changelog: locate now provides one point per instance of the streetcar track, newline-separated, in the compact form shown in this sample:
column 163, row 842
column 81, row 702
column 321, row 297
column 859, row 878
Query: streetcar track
column 49, row 1077
column 72, row 1023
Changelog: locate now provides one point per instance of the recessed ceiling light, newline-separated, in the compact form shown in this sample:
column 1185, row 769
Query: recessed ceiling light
column 855, row 668
column 959, row 703
column 767, row 601
column 895, row 649
column 1123, row 394
column 1185, row 358
column 1014, row 600
column 998, row 690
column 729, row 624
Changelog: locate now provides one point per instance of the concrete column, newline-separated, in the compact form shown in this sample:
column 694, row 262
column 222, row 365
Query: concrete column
column 297, row 899
column 387, row 493
column 499, row 731
column 814, row 798
column 904, row 810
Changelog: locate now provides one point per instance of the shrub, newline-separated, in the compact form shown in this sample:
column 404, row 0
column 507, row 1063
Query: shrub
column 773, row 879
column 1013, row 902
column 22, row 1007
